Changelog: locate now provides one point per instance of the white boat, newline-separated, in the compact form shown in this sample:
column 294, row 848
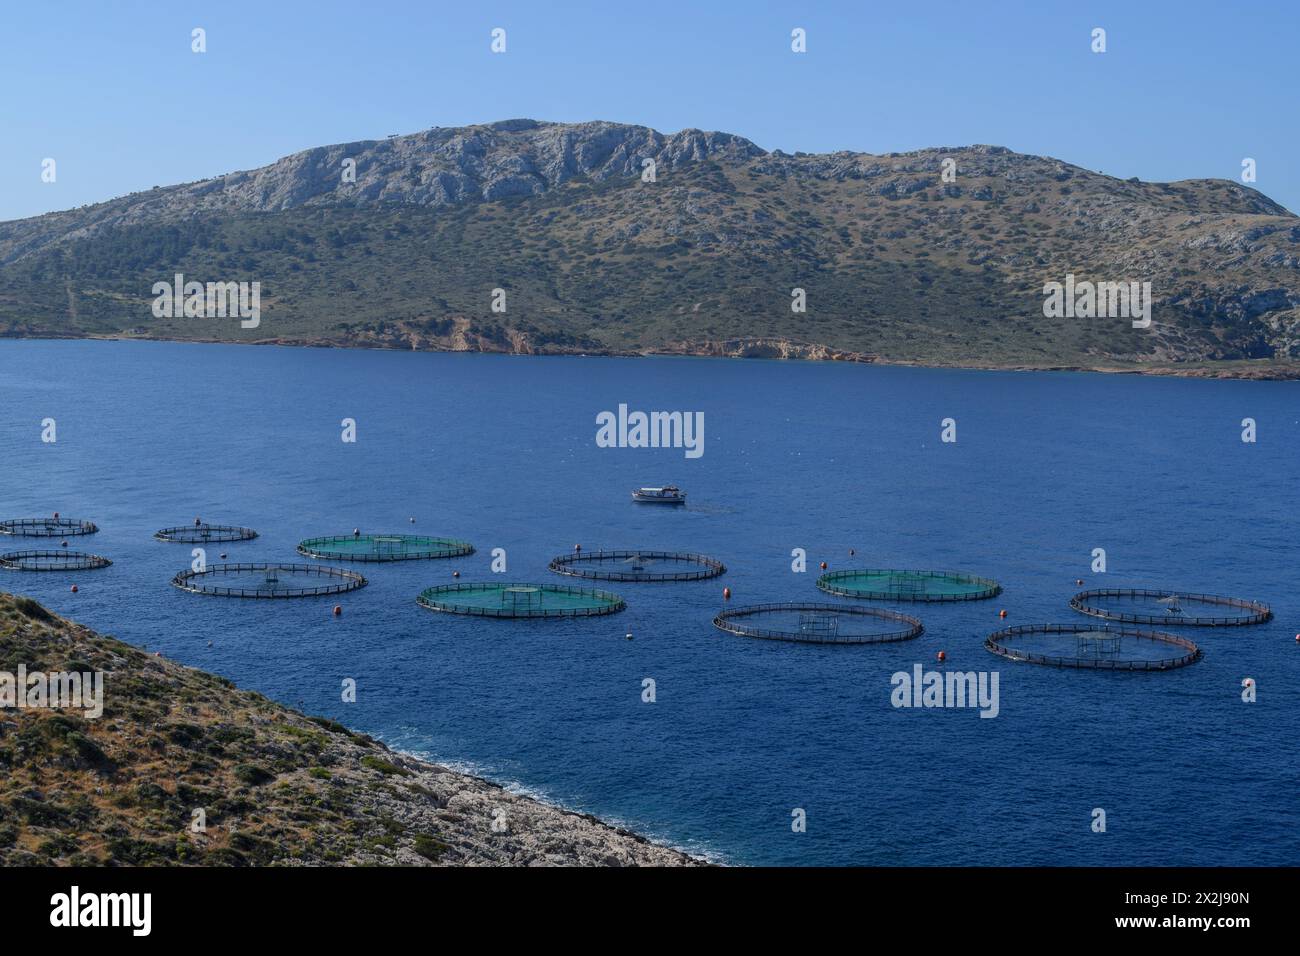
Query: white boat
column 667, row 495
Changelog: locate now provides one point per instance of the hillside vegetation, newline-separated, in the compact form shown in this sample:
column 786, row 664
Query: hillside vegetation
column 897, row 264
column 274, row 786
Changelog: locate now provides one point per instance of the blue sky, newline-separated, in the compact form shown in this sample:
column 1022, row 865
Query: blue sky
column 113, row 93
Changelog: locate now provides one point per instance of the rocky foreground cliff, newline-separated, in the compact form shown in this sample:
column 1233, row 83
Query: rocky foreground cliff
column 532, row 237
column 271, row 786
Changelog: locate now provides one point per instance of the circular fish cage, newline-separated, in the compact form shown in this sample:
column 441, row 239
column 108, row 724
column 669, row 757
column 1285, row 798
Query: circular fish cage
column 1169, row 608
column 268, row 580
column 819, row 623
column 874, row 584
column 52, row 561
column 1100, row 647
column 383, row 547
column 47, row 527
column 638, row 565
column 205, row 533
column 520, row 600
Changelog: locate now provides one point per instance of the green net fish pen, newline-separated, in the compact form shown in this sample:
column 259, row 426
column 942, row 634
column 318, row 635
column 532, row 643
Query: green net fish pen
column 638, row 565
column 1101, row 647
column 205, row 533
column 55, row 527
column 894, row 585
column 52, row 561
column 383, row 547
column 819, row 623
column 268, row 580
column 1169, row 608
column 520, row 600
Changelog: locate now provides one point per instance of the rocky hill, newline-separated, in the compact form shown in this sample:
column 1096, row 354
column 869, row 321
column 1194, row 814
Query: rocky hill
column 897, row 263
column 274, row 786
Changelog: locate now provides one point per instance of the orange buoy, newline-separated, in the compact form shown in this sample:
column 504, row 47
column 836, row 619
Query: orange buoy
column 1002, row 613
column 726, row 594
column 942, row 657
column 74, row 591
column 338, row 609
column 823, row 565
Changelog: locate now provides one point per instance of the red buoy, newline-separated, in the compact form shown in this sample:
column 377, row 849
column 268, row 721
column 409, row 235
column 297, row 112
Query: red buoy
column 338, row 609
column 942, row 657
column 726, row 594
column 823, row 565
column 74, row 591
column 1002, row 613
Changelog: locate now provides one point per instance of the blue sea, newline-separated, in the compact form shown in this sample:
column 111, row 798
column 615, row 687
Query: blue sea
column 742, row 733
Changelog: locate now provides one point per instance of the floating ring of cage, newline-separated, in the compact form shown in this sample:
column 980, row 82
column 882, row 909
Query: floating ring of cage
column 47, row 527
column 1168, row 608
column 520, row 600
column 263, row 580
column 876, row 584
column 205, row 533
column 383, row 547
column 1101, row 647
column 638, row 565
column 52, row 561
column 819, row 623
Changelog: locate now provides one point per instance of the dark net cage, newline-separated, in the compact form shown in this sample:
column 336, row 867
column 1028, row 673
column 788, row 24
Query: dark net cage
column 888, row 584
column 520, row 600
column 383, row 547
column 819, row 623
column 60, row 560
column 1100, row 647
column 205, row 533
column 263, row 580
column 54, row 527
column 1169, row 608
column 638, row 565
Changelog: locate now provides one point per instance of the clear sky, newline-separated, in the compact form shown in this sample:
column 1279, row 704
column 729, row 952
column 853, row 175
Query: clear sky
column 113, row 93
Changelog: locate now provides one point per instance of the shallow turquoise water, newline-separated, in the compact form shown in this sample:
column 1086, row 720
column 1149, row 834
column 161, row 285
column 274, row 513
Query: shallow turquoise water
column 500, row 451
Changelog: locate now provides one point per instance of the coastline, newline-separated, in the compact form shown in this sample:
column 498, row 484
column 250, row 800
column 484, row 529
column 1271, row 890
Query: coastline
column 271, row 785
column 1260, row 370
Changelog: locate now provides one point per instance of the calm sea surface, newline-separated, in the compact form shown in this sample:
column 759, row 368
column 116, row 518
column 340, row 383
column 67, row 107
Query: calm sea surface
column 501, row 451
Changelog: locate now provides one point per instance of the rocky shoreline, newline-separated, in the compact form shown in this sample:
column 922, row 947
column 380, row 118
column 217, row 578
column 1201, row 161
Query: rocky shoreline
column 782, row 349
column 183, row 768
